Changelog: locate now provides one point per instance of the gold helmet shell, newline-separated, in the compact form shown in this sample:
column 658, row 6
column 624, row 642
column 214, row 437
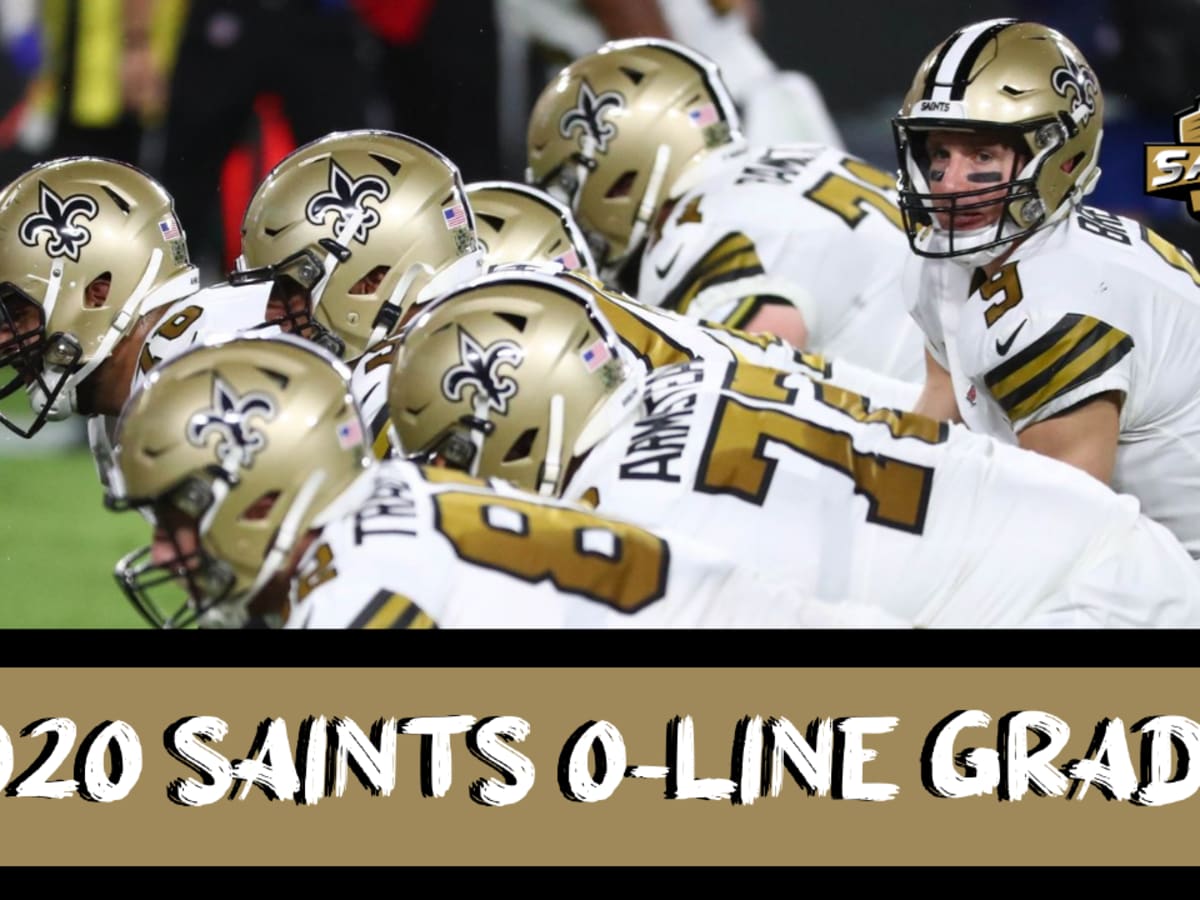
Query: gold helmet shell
column 516, row 223
column 251, row 438
column 87, row 245
column 514, row 376
column 372, row 223
column 1017, row 79
column 613, row 134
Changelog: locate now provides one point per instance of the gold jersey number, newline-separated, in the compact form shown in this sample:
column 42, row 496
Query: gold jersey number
column 614, row 563
column 735, row 461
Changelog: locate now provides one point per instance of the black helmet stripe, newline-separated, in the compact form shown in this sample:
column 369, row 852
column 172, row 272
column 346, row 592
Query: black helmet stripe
column 948, row 76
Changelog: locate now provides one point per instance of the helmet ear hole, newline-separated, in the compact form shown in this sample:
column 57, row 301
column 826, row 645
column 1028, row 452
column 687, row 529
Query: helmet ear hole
column 622, row 186
column 1069, row 165
column 369, row 283
column 522, row 447
column 95, row 295
column 261, row 507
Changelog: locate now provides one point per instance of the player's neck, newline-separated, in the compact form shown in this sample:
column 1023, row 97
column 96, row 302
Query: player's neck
column 990, row 269
column 274, row 598
column 113, row 378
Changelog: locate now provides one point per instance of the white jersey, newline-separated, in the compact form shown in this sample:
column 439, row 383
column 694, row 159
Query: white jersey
column 221, row 309
column 806, row 484
column 1097, row 303
column 805, row 224
column 414, row 547
column 660, row 337
column 656, row 338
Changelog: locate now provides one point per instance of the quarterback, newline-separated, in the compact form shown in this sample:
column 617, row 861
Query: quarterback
column 1063, row 328
column 518, row 376
column 253, row 459
column 806, row 242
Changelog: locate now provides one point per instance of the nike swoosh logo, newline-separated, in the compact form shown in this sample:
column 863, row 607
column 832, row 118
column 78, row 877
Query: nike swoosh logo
column 662, row 273
column 1002, row 349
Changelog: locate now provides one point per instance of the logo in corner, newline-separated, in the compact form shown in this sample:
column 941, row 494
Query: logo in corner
column 1173, row 170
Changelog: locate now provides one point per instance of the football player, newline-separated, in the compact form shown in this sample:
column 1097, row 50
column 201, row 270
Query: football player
column 521, row 226
column 391, row 188
column 777, row 105
column 1064, row 328
column 253, row 459
column 366, row 225
column 518, row 376
column 642, row 141
column 91, row 260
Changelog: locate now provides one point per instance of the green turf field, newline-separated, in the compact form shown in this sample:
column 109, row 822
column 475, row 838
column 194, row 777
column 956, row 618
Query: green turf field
column 58, row 543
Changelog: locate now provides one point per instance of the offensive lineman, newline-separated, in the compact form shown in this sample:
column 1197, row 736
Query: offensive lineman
column 518, row 376
column 641, row 140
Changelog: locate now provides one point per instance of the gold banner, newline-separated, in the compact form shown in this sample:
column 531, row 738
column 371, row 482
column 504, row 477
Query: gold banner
column 569, row 766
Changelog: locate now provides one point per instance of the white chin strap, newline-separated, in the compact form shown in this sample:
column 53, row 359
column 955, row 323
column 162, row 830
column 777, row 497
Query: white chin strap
column 139, row 302
column 645, row 211
column 548, row 484
column 480, row 411
column 650, row 198
column 457, row 273
column 289, row 532
column 396, row 299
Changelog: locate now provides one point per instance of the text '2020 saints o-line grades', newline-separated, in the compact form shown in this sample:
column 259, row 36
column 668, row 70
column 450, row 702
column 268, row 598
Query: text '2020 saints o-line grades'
column 826, row 759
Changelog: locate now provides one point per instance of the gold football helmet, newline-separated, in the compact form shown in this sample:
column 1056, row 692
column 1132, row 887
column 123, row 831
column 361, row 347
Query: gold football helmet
column 371, row 223
column 615, row 134
column 87, row 245
column 239, row 444
column 513, row 376
column 1012, row 78
column 517, row 224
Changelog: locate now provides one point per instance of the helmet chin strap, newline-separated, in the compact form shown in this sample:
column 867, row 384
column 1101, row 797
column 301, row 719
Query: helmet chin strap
column 391, row 310
column 457, row 273
column 552, row 468
column 646, row 209
column 284, row 541
column 140, row 301
column 343, row 236
column 480, row 406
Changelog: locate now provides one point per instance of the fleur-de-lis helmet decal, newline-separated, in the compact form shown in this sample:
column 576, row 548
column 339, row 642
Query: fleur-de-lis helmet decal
column 1077, row 85
column 229, row 417
column 479, row 368
column 57, row 219
column 588, row 116
column 345, row 197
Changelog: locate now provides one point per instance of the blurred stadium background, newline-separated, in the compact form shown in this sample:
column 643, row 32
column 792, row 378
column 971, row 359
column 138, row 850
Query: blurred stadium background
column 460, row 74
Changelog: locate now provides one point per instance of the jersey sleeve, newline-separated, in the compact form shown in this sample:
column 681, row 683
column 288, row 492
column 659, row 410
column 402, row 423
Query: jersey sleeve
column 343, row 605
column 338, row 585
column 100, row 441
column 918, row 288
column 1076, row 358
column 730, row 285
column 369, row 385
